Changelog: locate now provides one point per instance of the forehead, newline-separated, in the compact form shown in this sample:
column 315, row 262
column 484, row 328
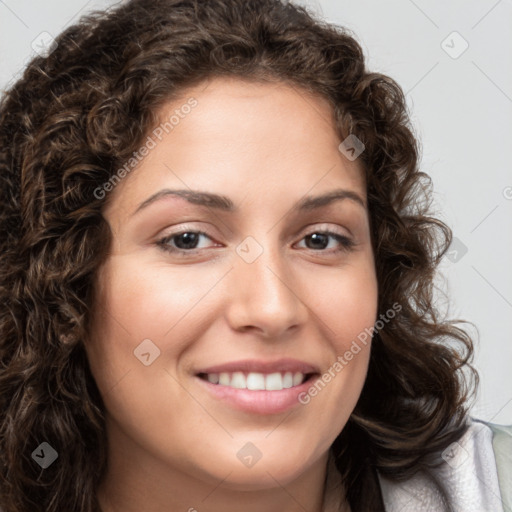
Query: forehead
column 243, row 135
column 242, row 107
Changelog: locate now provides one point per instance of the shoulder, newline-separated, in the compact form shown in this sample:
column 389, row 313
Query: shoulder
column 475, row 475
column 502, row 448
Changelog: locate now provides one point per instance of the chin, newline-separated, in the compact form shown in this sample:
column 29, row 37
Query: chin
column 274, row 465
column 264, row 477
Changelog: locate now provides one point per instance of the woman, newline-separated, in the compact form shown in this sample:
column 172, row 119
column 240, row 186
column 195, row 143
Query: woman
column 175, row 336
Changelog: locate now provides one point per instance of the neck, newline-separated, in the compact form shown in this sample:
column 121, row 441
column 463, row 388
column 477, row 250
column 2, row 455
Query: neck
column 142, row 482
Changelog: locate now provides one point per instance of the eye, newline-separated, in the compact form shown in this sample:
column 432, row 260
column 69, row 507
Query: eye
column 185, row 241
column 320, row 240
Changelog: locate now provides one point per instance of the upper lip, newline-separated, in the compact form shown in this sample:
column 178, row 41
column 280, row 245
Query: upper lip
column 260, row 366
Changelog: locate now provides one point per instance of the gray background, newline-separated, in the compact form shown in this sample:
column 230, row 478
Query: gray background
column 461, row 107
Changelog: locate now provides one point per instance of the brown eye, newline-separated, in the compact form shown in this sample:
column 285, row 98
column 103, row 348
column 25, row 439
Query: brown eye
column 319, row 240
column 183, row 242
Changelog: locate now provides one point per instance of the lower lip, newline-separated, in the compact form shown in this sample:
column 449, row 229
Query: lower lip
column 260, row 401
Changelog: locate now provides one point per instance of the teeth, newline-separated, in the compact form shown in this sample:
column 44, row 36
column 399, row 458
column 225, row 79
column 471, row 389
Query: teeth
column 257, row 381
column 238, row 380
column 224, row 379
column 213, row 378
column 274, row 382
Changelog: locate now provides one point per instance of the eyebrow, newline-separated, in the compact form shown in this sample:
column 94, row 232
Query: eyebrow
column 224, row 203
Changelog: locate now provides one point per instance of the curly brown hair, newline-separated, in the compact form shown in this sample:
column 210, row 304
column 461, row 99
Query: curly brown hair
column 73, row 119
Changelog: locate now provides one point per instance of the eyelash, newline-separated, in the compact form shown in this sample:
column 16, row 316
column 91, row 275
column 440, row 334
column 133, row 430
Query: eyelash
column 347, row 244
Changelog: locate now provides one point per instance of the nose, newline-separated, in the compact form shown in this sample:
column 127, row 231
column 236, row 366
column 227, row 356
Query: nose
column 265, row 297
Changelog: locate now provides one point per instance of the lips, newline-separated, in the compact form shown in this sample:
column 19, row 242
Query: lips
column 264, row 387
column 259, row 366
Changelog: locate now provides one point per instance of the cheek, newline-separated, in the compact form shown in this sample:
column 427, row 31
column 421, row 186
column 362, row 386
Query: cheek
column 346, row 304
column 136, row 302
column 147, row 299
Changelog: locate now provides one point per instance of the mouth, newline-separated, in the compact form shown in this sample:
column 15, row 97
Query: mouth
column 256, row 381
column 258, row 387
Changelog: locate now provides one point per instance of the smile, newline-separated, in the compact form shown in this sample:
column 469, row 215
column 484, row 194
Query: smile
column 254, row 381
column 257, row 386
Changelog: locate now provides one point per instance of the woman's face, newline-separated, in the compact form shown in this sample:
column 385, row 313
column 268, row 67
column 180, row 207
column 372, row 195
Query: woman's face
column 275, row 291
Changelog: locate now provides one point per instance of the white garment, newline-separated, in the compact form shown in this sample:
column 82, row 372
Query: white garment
column 468, row 475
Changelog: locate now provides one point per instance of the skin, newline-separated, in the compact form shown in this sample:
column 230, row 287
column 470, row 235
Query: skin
column 172, row 445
